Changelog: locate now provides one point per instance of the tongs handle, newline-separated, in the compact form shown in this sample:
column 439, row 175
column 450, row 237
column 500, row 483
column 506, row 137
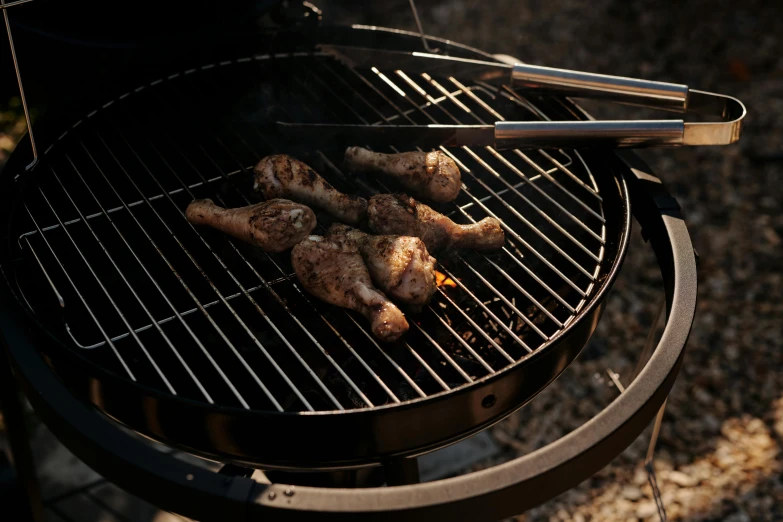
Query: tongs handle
column 624, row 133
column 582, row 134
column 657, row 95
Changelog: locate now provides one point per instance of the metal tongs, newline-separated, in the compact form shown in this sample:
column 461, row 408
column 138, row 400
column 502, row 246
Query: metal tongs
column 538, row 134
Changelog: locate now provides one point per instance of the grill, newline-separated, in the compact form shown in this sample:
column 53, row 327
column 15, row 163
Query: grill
column 549, row 297
column 196, row 315
column 211, row 346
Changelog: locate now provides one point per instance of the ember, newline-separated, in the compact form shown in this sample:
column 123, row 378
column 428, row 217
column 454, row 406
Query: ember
column 443, row 280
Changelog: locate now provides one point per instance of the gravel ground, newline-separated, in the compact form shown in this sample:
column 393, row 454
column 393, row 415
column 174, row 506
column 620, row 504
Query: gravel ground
column 719, row 455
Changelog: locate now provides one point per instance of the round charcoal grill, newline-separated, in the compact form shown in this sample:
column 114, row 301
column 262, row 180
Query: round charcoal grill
column 189, row 314
column 209, row 345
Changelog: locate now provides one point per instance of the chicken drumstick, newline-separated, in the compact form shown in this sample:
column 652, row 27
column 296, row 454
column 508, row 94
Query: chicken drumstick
column 401, row 214
column 274, row 225
column 399, row 265
column 430, row 175
column 335, row 272
column 281, row 175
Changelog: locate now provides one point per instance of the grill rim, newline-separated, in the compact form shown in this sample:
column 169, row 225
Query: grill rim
column 113, row 396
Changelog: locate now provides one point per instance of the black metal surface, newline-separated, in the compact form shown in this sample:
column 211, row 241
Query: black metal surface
column 417, row 62
column 163, row 124
column 401, row 471
column 26, row 504
column 494, row 493
column 404, row 136
column 62, row 40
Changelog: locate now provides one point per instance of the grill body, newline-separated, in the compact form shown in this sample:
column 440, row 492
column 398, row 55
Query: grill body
column 455, row 396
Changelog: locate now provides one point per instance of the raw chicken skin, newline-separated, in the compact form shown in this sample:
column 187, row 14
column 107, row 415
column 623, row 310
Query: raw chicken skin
column 335, row 272
column 281, row 176
column 398, row 265
column 429, row 175
column 401, row 214
column 275, row 225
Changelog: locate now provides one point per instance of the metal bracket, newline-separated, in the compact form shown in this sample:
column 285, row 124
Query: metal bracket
column 426, row 45
column 3, row 7
column 649, row 465
column 649, row 343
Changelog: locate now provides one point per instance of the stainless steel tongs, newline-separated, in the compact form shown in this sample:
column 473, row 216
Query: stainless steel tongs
column 539, row 134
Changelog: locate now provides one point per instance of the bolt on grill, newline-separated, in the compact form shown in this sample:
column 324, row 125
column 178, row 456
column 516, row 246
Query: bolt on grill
column 200, row 315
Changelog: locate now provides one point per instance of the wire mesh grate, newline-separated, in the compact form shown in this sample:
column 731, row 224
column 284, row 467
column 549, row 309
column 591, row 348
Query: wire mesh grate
column 200, row 315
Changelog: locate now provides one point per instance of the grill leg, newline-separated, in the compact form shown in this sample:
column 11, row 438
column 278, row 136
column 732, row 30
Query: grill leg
column 401, row 471
column 21, row 457
column 649, row 465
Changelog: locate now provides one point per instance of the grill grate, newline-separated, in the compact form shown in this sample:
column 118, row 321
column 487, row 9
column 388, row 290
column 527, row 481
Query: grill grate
column 194, row 313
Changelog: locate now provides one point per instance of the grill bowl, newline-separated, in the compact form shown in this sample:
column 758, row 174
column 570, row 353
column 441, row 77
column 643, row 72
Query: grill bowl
column 242, row 89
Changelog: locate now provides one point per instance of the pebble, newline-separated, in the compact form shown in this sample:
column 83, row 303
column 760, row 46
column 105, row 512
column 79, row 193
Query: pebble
column 646, row 509
column 740, row 516
column 681, row 479
column 631, row 493
column 640, row 476
column 701, row 395
column 710, row 423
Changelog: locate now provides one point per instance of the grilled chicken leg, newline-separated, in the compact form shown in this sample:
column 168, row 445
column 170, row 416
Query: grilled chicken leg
column 274, row 225
column 401, row 214
column 335, row 272
column 399, row 265
column 430, row 175
column 281, row 176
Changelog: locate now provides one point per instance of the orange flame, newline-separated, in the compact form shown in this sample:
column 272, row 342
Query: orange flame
column 442, row 280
